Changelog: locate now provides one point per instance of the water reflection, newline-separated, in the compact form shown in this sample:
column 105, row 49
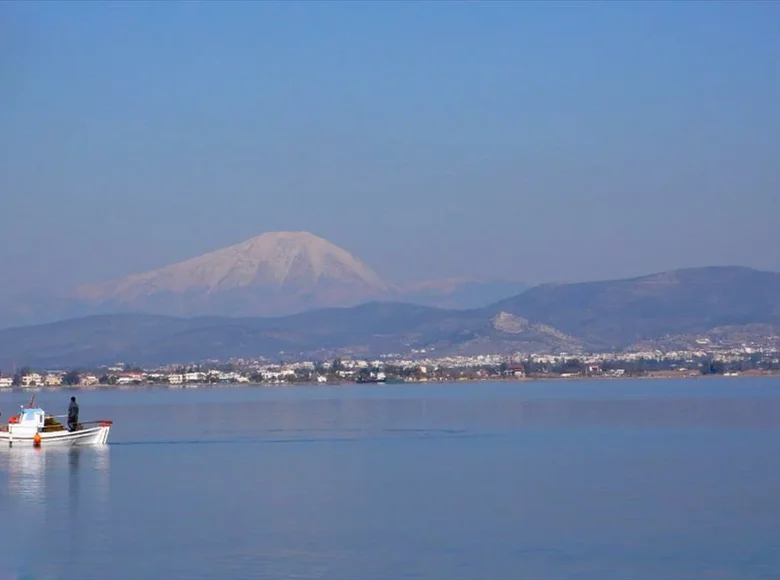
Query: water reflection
column 74, row 453
column 95, row 476
column 29, row 469
column 26, row 474
column 101, row 458
column 93, row 465
column 73, row 459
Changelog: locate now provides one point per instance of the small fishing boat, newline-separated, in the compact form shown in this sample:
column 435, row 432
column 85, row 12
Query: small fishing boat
column 32, row 426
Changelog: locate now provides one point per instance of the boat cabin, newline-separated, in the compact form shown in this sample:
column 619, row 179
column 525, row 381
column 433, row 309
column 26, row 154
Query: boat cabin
column 27, row 423
column 32, row 418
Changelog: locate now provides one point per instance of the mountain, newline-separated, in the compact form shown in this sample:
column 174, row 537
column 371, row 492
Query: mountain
column 672, row 308
column 616, row 313
column 272, row 274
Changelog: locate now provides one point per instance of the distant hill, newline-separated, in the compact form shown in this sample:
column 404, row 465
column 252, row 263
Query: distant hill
column 616, row 313
column 366, row 330
column 154, row 339
column 674, row 307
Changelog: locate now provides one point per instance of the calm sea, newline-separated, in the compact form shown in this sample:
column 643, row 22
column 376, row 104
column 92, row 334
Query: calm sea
column 555, row 480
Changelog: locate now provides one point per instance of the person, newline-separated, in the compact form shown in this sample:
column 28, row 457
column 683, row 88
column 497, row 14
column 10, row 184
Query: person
column 73, row 414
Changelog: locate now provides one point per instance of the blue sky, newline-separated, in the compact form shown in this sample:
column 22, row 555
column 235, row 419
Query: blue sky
column 534, row 141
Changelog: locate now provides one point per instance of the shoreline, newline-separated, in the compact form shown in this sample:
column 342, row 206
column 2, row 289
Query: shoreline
column 658, row 376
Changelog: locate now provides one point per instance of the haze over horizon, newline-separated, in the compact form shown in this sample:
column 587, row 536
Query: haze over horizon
column 526, row 141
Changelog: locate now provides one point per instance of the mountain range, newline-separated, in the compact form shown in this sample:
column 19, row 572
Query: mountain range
column 273, row 274
column 674, row 308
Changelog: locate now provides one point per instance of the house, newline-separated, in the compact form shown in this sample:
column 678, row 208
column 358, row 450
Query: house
column 6, row 382
column 231, row 377
column 53, row 380
column 88, row 380
column 517, row 370
column 175, row 379
column 32, row 380
column 130, row 379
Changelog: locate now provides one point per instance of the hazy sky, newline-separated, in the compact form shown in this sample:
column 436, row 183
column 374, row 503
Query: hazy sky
column 550, row 141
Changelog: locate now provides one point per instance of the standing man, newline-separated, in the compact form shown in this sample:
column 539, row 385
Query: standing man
column 73, row 414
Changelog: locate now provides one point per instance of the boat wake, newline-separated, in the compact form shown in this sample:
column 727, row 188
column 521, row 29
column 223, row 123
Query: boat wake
column 359, row 437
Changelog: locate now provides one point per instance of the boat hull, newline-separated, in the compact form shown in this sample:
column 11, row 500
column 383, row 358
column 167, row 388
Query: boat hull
column 90, row 436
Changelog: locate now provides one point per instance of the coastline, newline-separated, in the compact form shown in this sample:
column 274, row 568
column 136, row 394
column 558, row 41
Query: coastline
column 650, row 376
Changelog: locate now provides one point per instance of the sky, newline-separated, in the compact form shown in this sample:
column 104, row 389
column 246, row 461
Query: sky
column 538, row 142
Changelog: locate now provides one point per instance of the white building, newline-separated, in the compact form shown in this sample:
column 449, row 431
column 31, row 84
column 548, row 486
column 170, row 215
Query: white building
column 32, row 380
column 130, row 378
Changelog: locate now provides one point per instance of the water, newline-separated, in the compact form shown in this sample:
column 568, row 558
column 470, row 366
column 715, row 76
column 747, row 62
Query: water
column 552, row 480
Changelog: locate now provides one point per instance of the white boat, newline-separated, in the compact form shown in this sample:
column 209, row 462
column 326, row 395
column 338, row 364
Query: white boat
column 32, row 426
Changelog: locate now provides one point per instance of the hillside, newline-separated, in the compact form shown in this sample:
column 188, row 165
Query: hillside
column 672, row 308
column 617, row 313
column 153, row 339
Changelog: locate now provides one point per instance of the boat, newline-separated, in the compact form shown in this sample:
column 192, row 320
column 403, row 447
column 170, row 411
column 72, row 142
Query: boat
column 32, row 426
column 379, row 378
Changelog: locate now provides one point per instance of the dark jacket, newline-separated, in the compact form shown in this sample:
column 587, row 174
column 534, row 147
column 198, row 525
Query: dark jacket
column 73, row 412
